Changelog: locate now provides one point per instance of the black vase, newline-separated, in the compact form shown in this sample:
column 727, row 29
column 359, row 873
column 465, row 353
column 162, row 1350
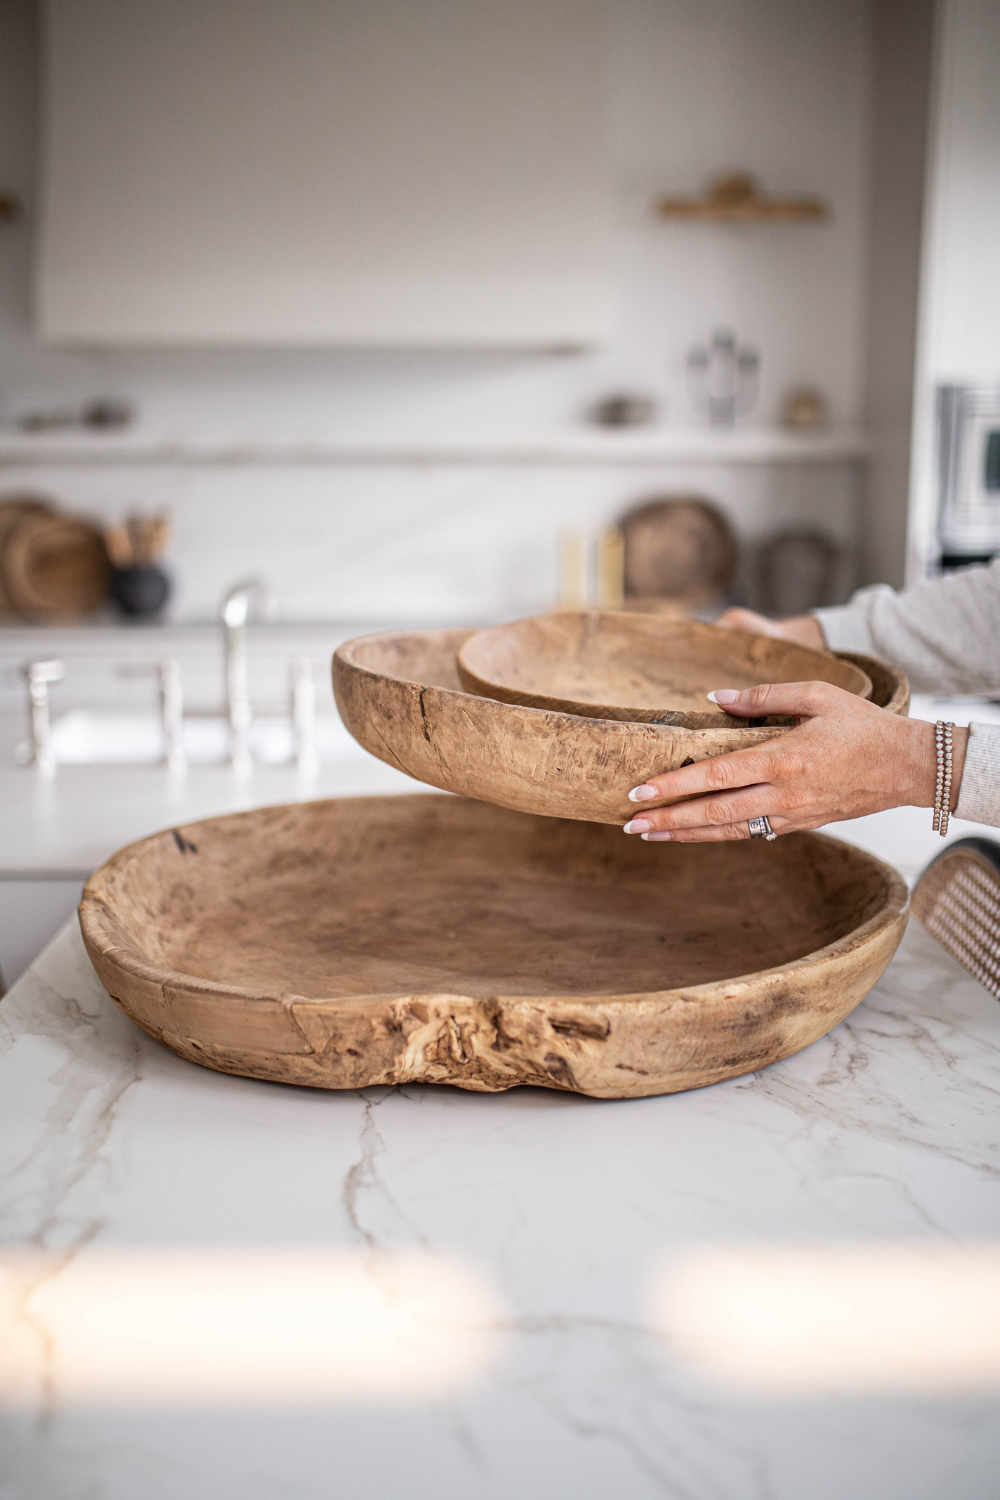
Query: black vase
column 140, row 591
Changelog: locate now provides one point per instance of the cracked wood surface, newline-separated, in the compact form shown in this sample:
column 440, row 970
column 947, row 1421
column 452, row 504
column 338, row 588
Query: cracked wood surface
column 387, row 940
column 400, row 696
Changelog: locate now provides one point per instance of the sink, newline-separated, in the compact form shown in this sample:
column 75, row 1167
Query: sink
column 91, row 737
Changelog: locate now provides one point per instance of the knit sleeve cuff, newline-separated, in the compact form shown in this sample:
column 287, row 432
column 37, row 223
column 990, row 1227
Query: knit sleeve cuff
column 979, row 794
column 846, row 629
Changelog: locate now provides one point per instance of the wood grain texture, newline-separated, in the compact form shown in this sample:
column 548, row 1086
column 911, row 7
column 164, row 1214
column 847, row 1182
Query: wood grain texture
column 640, row 668
column 399, row 695
column 387, row 940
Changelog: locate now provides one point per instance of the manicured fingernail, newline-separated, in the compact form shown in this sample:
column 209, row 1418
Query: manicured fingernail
column 656, row 838
column 723, row 695
column 638, row 825
column 642, row 793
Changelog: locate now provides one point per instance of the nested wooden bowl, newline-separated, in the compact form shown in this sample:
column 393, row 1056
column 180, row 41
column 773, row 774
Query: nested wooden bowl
column 399, row 695
column 641, row 668
column 386, row 940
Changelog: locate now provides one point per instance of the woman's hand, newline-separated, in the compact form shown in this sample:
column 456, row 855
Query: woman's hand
column 846, row 758
column 804, row 630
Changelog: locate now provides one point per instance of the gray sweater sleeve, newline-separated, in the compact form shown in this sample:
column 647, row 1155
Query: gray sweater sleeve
column 945, row 635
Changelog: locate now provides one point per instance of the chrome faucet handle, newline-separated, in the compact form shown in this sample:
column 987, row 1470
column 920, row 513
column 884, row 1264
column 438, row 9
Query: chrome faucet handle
column 39, row 675
column 303, row 694
column 168, row 675
column 249, row 599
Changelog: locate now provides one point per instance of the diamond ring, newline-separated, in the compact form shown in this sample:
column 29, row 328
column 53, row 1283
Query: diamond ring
column 760, row 828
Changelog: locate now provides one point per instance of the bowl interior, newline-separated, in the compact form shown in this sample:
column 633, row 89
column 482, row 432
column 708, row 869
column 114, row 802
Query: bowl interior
column 591, row 661
column 428, row 657
column 432, row 894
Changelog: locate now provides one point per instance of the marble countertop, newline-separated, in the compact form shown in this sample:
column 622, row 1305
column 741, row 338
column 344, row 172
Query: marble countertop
column 420, row 1292
column 525, row 1251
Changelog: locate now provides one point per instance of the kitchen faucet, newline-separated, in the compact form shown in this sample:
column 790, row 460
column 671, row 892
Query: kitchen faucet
column 39, row 675
column 245, row 600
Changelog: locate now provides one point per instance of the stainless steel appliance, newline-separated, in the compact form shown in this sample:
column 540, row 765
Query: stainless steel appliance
column 968, row 474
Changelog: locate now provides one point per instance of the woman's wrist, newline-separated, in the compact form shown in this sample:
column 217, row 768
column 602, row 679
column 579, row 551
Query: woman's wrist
column 922, row 767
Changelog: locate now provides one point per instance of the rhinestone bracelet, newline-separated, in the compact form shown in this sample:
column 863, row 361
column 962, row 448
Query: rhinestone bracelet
column 942, row 790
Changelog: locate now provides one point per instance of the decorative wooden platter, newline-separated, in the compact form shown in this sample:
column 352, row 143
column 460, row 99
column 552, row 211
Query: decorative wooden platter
column 399, row 695
column 677, row 547
column 55, row 567
column 14, row 509
column 388, row 940
column 642, row 668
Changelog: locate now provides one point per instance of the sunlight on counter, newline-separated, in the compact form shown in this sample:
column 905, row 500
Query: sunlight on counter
column 272, row 1327
column 841, row 1320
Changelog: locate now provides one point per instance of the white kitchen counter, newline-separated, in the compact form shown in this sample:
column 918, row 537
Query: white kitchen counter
column 538, row 1365
column 549, row 1221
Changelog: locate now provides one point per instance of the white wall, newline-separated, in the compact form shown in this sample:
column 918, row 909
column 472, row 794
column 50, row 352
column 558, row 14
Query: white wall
column 777, row 86
column 361, row 173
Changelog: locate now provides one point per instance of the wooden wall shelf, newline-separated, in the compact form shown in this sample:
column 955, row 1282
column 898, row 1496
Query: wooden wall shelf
column 737, row 199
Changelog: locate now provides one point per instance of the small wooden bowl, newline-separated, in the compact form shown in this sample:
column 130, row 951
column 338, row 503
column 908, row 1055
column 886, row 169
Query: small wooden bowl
column 400, row 697
column 390, row 940
column 646, row 669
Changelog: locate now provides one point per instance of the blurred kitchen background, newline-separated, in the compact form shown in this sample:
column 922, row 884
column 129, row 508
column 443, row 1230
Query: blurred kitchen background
column 403, row 309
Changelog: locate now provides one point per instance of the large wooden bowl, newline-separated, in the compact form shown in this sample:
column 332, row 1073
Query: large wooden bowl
column 400, row 696
column 385, row 940
column 642, row 668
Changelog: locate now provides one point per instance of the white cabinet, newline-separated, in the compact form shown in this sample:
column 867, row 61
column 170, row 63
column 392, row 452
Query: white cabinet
column 324, row 172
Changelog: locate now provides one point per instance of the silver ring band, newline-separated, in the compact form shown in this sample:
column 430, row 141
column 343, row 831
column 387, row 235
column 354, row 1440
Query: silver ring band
column 760, row 828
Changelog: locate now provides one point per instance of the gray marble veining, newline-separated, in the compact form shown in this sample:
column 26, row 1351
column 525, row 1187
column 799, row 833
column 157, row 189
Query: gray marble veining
column 886, row 1131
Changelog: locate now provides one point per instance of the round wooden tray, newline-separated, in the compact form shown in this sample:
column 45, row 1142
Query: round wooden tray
column 387, row 940
column 14, row 509
column 55, row 567
column 642, row 668
column 400, row 696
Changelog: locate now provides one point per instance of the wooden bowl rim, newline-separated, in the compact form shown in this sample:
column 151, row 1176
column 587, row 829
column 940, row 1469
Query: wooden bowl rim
column 346, row 654
column 96, row 914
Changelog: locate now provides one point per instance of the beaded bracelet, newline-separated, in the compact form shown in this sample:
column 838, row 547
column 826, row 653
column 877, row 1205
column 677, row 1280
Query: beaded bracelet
column 942, row 790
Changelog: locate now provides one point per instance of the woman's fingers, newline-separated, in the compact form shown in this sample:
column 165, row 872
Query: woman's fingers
column 741, row 768
column 748, row 620
column 713, row 835
column 804, row 700
column 721, row 810
column 701, row 835
column 804, row 630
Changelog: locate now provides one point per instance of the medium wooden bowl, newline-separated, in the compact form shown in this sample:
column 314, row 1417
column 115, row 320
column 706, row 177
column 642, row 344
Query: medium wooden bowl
column 400, row 697
column 389, row 940
column 642, row 668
